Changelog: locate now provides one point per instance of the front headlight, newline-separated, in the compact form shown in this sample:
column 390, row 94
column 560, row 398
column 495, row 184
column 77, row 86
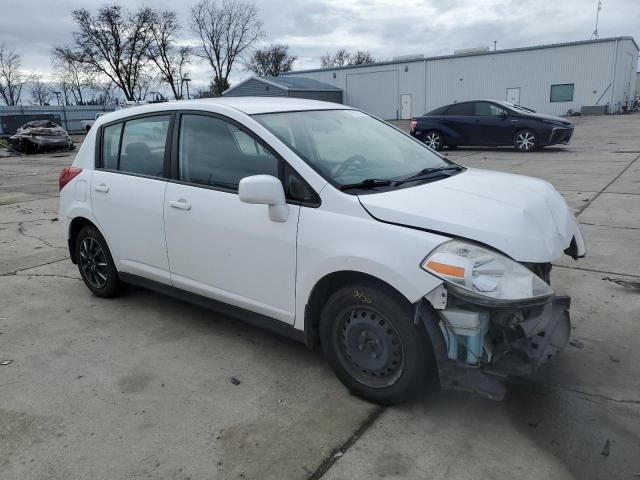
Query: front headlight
column 483, row 272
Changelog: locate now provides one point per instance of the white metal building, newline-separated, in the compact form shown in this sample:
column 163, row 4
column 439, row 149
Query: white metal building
column 548, row 78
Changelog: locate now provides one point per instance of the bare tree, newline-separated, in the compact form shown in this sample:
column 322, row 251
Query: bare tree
column 361, row 58
column 12, row 79
column 169, row 59
column 338, row 59
column 270, row 61
column 72, row 78
column 40, row 91
column 226, row 31
column 343, row 58
column 114, row 43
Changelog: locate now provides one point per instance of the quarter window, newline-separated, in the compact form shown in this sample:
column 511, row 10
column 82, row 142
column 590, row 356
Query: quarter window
column 562, row 92
column 215, row 152
column 111, row 146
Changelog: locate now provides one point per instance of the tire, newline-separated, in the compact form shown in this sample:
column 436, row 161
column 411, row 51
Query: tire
column 96, row 264
column 525, row 141
column 434, row 140
column 369, row 339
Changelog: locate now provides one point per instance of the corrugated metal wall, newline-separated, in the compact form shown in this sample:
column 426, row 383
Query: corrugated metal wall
column 70, row 116
column 254, row 87
column 596, row 70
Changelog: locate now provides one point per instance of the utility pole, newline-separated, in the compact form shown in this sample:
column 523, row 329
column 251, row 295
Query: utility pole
column 595, row 34
column 187, row 80
column 495, row 43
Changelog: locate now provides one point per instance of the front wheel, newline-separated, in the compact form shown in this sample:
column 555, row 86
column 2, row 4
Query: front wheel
column 433, row 139
column 370, row 340
column 525, row 140
column 95, row 263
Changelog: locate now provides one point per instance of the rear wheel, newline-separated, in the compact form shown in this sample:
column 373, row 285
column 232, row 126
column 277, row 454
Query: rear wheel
column 368, row 336
column 525, row 140
column 95, row 263
column 433, row 139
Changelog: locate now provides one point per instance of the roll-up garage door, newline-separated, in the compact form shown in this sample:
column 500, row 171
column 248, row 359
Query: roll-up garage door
column 374, row 92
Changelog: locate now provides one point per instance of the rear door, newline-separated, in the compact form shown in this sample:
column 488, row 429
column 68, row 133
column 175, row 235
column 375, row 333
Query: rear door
column 218, row 246
column 127, row 193
column 460, row 121
column 492, row 124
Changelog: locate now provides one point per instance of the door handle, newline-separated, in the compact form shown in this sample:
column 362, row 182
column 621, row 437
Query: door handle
column 101, row 188
column 181, row 204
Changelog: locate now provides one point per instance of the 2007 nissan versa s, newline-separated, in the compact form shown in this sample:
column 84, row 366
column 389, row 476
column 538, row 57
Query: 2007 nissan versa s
column 328, row 225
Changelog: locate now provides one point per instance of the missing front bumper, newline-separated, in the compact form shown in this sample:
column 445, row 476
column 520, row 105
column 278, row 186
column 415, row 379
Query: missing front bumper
column 512, row 349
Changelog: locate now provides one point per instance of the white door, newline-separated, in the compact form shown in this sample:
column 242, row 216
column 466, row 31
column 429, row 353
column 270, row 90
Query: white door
column 405, row 106
column 218, row 246
column 513, row 95
column 127, row 196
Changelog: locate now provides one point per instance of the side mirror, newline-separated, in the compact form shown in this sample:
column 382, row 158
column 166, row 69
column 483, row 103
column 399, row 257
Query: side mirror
column 265, row 190
column 503, row 115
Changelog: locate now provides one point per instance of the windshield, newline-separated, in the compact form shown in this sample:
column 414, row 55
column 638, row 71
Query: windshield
column 348, row 146
column 518, row 107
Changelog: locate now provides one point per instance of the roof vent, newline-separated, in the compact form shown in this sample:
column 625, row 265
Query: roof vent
column 406, row 58
column 466, row 51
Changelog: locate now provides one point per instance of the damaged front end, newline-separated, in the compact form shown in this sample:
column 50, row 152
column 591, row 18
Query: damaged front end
column 491, row 318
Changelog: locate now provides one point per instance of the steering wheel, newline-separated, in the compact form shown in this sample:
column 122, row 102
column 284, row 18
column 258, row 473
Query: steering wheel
column 354, row 161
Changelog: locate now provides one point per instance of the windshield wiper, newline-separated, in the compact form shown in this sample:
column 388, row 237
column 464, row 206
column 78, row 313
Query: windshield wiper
column 367, row 183
column 427, row 173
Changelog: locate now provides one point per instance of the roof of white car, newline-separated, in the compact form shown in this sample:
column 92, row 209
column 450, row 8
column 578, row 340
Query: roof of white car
column 248, row 105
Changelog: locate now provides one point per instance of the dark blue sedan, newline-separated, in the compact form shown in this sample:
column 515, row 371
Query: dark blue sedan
column 490, row 123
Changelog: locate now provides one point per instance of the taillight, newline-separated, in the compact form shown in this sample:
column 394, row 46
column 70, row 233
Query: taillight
column 414, row 123
column 67, row 174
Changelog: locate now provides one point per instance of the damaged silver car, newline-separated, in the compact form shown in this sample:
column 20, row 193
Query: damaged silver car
column 40, row 136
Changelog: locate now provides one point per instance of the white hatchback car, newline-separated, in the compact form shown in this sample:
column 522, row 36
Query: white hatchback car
column 328, row 225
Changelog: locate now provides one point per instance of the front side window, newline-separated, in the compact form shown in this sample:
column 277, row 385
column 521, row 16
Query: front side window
column 217, row 153
column 136, row 146
column 562, row 93
column 348, row 146
column 488, row 109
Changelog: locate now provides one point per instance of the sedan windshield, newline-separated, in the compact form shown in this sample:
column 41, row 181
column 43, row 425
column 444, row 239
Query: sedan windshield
column 349, row 147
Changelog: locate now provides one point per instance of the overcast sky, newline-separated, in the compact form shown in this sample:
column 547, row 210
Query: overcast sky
column 386, row 28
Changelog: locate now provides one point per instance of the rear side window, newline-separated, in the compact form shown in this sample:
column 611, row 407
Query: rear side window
column 215, row 152
column 439, row 111
column 460, row 109
column 136, row 146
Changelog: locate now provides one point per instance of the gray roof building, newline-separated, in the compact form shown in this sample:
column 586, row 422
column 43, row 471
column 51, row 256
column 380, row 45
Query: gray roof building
column 294, row 87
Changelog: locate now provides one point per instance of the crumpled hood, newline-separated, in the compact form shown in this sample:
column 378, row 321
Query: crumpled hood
column 523, row 217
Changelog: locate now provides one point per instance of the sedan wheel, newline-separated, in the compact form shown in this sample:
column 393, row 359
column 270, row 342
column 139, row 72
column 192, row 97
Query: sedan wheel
column 96, row 264
column 525, row 140
column 433, row 140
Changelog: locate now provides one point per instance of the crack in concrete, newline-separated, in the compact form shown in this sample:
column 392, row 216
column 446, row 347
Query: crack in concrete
column 609, row 226
column 588, row 394
column 338, row 452
column 18, row 274
column 15, row 272
column 584, row 207
column 596, row 271
column 21, row 231
column 27, row 221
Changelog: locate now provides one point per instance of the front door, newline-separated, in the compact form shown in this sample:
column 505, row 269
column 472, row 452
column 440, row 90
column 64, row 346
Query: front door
column 405, row 106
column 218, row 246
column 127, row 194
column 493, row 126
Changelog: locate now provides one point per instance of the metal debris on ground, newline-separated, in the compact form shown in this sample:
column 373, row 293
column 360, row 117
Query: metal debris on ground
column 606, row 449
column 40, row 135
column 623, row 283
column 6, row 362
column 235, row 381
column 614, row 359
